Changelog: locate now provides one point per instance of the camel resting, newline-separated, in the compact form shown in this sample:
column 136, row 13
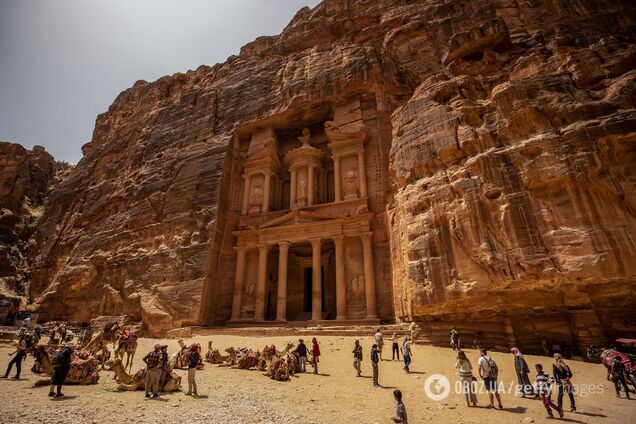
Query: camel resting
column 83, row 370
column 137, row 381
column 278, row 369
column 213, row 356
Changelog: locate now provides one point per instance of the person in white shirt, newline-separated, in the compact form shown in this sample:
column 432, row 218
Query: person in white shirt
column 466, row 378
column 380, row 342
column 489, row 371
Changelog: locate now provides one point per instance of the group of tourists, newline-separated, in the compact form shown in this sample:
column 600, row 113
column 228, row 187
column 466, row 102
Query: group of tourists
column 488, row 370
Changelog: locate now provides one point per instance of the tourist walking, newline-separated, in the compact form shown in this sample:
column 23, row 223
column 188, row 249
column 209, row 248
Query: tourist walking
column 618, row 376
column 375, row 359
column 20, row 354
column 562, row 374
column 301, row 349
column 543, row 381
column 357, row 358
column 61, row 362
column 193, row 362
column 489, row 372
column 396, row 346
column 315, row 354
column 406, row 353
column 153, row 371
column 400, row 411
column 468, row 384
column 521, row 369
column 454, row 339
column 379, row 340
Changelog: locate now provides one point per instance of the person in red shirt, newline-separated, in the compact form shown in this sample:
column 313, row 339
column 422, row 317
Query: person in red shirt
column 315, row 354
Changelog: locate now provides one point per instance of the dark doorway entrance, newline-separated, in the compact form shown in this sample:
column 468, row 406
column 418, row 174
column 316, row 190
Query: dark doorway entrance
column 308, row 283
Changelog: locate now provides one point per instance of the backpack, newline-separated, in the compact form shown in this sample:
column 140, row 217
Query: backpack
column 58, row 359
column 493, row 369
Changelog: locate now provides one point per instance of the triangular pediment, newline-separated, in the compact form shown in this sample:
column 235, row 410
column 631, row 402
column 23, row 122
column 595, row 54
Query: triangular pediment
column 297, row 216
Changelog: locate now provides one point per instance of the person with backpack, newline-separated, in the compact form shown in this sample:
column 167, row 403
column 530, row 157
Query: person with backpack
column 562, row 374
column 618, row 376
column 20, row 354
column 489, row 372
column 543, row 387
column 521, row 369
column 61, row 362
column 357, row 358
column 301, row 349
column 375, row 359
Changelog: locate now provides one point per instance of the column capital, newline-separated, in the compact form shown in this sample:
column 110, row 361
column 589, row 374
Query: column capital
column 366, row 236
column 338, row 238
column 315, row 241
column 284, row 245
column 240, row 247
column 263, row 246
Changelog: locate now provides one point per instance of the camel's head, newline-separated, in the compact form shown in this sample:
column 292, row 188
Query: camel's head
column 210, row 345
column 289, row 345
column 112, row 363
column 230, row 350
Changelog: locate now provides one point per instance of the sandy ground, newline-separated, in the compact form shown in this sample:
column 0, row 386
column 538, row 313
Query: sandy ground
column 336, row 395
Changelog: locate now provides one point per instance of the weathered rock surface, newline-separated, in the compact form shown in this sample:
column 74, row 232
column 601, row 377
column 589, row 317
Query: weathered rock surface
column 24, row 179
column 506, row 133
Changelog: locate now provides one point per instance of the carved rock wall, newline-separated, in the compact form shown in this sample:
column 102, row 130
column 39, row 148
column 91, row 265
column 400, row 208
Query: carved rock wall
column 514, row 178
column 506, row 154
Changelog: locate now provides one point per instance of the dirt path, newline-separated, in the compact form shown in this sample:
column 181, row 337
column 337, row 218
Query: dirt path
column 333, row 396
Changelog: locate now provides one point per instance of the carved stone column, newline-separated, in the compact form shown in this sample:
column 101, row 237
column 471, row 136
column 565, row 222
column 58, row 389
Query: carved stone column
column 246, row 194
column 259, row 310
column 362, row 172
column 281, row 307
column 238, row 282
column 267, row 191
column 341, row 288
column 292, row 189
column 336, row 177
column 316, row 311
column 369, row 277
column 310, row 185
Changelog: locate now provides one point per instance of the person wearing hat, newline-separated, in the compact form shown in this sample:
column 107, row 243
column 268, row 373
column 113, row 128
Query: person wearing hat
column 165, row 366
column 301, row 349
column 61, row 365
column 153, row 371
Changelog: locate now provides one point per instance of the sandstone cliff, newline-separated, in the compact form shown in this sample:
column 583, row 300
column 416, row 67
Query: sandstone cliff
column 24, row 180
column 506, row 132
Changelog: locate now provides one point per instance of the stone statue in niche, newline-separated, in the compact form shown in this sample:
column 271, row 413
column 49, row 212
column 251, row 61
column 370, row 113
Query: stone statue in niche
column 357, row 287
column 351, row 185
column 304, row 138
column 301, row 193
column 256, row 197
column 249, row 290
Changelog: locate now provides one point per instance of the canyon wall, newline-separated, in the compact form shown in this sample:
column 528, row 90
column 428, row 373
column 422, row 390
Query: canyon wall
column 506, row 130
column 24, row 181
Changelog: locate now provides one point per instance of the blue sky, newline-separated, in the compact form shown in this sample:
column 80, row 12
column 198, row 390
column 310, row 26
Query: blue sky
column 63, row 62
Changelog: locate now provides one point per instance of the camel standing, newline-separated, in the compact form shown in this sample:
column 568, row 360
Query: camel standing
column 126, row 344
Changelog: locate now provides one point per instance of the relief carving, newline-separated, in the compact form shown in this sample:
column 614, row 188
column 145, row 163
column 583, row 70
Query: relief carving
column 351, row 185
column 357, row 287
